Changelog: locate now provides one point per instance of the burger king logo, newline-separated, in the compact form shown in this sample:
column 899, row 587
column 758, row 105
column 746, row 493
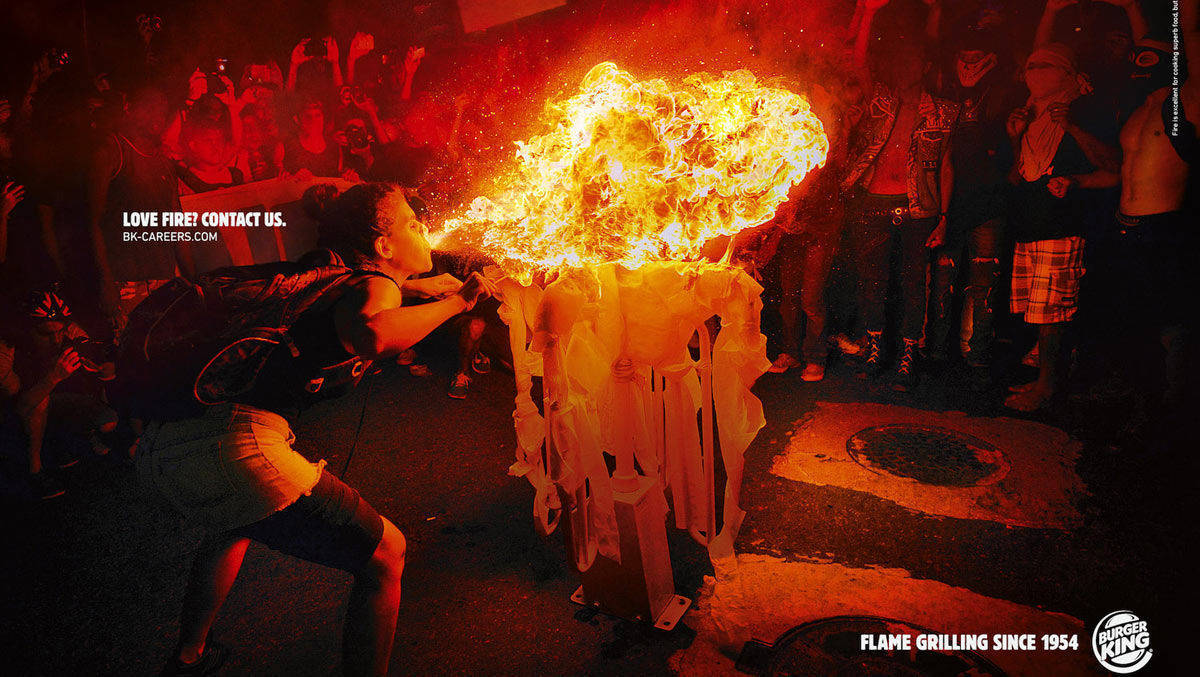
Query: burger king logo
column 1121, row 642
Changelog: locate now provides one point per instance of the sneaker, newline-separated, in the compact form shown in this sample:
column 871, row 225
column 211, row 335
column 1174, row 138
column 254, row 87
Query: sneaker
column 458, row 386
column 45, row 486
column 419, row 370
column 406, row 357
column 845, row 345
column 481, row 364
column 906, row 369
column 783, row 363
column 209, row 663
column 813, row 372
column 873, row 364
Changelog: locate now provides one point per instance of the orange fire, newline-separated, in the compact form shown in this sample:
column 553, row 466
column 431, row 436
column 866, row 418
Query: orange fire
column 631, row 172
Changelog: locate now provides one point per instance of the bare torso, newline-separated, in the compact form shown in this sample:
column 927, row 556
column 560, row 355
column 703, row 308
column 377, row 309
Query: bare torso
column 1153, row 177
column 891, row 166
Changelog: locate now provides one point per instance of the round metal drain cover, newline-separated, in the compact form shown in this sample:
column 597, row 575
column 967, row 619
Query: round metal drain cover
column 831, row 646
column 929, row 455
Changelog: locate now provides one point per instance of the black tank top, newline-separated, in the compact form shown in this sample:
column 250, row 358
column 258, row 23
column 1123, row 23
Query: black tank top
column 322, row 368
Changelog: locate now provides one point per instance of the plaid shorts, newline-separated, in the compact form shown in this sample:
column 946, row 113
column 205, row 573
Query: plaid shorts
column 1045, row 279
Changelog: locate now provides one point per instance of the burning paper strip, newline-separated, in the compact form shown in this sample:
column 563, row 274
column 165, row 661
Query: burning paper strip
column 634, row 171
column 574, row 330
column 629, row 182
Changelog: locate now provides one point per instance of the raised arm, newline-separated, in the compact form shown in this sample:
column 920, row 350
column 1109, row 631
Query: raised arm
column 1045, row 27
column 1190, row 92
column 863, row 39
column 933, row 20
column 1100, row 154
column 1138, row 26
column 371, row 322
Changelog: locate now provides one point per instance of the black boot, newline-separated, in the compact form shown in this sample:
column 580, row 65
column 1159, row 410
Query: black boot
column 906, row 368
column 872, row 363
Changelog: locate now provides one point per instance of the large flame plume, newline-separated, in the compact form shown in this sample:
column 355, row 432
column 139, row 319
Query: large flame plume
column 632, row 172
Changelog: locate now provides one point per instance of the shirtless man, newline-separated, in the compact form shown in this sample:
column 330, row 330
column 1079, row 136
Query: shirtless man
column 900, row 179
column 1154, row 236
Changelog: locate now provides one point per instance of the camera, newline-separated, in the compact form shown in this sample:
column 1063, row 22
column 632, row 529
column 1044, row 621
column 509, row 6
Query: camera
column 357, row 137
column 149, row 23
column 92, row 354
column 214, row 73
column 316, row 48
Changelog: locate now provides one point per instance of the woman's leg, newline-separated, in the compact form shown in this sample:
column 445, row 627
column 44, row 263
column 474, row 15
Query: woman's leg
column 213, row 572
column 374, row 606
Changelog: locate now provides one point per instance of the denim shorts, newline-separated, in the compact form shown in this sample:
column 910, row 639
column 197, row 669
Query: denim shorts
column 233, row 466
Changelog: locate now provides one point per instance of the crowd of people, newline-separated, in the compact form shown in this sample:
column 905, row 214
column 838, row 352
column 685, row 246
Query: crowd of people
column 973, row 177
column 983, row 188
column 981, row 171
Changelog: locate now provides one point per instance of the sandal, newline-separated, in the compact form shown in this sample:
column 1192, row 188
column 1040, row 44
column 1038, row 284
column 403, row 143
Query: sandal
column 208, row 663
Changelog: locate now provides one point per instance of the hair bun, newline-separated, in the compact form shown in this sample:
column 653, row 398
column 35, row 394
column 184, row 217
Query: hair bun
column 318, row 200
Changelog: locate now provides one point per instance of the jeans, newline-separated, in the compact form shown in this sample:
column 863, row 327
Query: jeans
column 803, row 271
column 882, row 234
column 979, row 251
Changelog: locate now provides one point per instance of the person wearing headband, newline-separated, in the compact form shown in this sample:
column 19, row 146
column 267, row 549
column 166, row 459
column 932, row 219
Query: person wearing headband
column 1063, row 156
column 42, row 408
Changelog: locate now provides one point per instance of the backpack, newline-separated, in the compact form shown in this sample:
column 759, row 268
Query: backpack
column 193, row 344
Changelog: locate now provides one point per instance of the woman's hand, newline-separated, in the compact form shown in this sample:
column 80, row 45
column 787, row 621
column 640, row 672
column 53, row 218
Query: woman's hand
column 1059, row 186
column 476, row 287
column 10, row 196
column 1017, row 123
column 412, row 60
column 228, row 97
column 1060, row 113
column 438, row 286
column 67, row 363
column 938, row 237
column 360, row 44
column 298, row 55
column 197, row 85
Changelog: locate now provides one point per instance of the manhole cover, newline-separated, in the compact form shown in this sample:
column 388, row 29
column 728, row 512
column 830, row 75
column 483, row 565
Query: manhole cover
column 929, row 455
column 831, row 646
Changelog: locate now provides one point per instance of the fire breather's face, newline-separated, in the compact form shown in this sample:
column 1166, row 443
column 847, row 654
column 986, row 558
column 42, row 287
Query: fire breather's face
column 405, row 248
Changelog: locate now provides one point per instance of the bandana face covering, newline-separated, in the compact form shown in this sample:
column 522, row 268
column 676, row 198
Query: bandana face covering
column 971, row 72
column 1052, row 79
column 1045, row 80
